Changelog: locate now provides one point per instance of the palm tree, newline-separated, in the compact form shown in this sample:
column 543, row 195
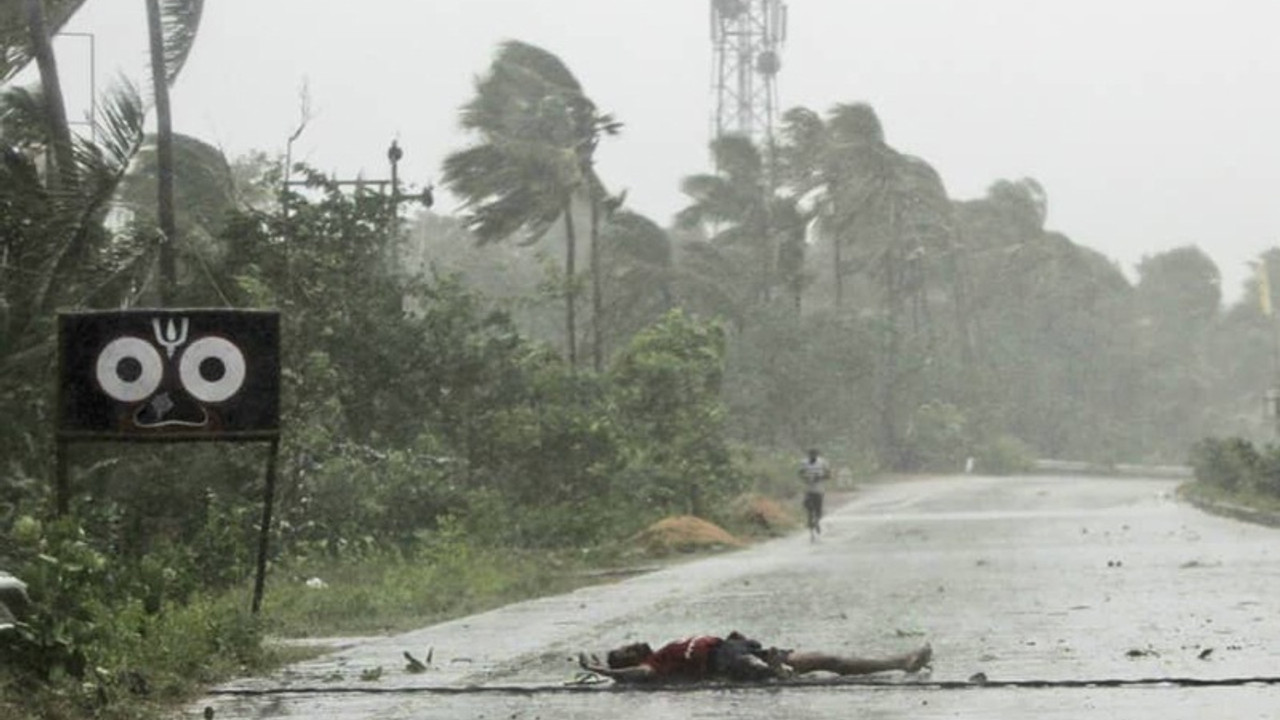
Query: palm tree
column 844, row 169
column 638, row 260
column 885, row 213
column 179, row 20
column 16, row 47
column 172, row 32
column 55, row 108
column 733, row 205
column 56, row 248
column 538, row 134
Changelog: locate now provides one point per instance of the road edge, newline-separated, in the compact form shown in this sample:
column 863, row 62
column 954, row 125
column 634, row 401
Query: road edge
column 1234, row 511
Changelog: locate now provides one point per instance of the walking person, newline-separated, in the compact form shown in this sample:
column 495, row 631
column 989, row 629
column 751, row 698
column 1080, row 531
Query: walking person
column 814, row 471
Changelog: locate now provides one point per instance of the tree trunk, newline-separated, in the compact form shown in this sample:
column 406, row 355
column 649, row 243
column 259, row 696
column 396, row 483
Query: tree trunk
column 766, row 256
column 836, row 263
column 164, row 157
column 889, row 390
column 570, row 269
column 59, row 129
column 597, row 299
column 960, row 302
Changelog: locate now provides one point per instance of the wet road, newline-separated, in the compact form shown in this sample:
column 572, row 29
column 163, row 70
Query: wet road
column 1041, row 583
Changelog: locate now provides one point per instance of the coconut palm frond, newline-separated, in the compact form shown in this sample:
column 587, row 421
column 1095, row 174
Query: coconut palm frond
column 737, row 157
column 855, row 123
column 639, row 238
column 15, row 43
column 121, row 114
column 537, row 61
column 24, row 118
column 181, row 21
column 498, row 198
column 102, row 166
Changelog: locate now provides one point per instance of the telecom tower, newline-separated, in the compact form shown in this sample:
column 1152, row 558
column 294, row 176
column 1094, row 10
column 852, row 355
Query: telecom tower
column 747, row 36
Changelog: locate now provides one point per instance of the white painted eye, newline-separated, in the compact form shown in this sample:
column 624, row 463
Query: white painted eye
column 129, row 369
column 212, row 369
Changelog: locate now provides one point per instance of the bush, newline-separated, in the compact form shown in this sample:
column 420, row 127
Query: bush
column 937, row 439
column 1004, row 455
column 1230, row 464
column 95, row 641
column 1266, row 473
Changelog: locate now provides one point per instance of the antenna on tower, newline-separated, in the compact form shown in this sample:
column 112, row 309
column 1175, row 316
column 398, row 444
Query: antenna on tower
column 747, row 38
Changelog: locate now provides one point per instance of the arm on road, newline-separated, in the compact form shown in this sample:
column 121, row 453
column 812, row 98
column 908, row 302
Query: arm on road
column 636, row 673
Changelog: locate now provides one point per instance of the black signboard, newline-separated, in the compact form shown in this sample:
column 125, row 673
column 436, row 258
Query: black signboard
column 169, row 375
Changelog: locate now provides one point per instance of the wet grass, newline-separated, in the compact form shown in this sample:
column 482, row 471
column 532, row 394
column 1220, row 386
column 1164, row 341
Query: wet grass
column 1248, row 498
column 388, row 594
column 214, row 639
column 165, row 661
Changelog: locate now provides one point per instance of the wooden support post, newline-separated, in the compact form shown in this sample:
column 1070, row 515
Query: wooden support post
column 264, row 533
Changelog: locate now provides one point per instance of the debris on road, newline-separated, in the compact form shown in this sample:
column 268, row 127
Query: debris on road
column 415, row 665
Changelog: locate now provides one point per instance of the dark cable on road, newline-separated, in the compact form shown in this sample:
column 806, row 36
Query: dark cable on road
column 1186, row 682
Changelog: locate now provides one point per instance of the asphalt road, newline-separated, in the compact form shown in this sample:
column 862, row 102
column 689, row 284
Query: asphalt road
column 1075, row 597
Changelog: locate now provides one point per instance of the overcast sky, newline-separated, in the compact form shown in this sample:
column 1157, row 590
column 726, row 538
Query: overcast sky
column 1151, row 123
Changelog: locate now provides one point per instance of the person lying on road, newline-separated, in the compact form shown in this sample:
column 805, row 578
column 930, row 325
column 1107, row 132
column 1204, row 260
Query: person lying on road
column 736, row 657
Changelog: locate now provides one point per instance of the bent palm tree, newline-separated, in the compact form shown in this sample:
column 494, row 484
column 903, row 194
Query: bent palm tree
column 538, row 133
column 734, row 206
column 638, row 260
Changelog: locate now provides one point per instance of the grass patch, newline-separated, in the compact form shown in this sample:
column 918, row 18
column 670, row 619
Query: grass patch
column 166, row 660
column 389, row 593
column 1248, row 498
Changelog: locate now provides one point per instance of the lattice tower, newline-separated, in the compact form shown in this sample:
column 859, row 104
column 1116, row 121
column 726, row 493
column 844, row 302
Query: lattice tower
column 747, row 38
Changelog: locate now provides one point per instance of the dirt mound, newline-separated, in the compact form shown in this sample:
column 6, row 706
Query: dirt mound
column 683, row 533
column 764, row 515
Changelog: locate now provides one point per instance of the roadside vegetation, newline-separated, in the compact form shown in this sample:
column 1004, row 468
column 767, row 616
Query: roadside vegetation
column 1236, row 472
column 484, row 407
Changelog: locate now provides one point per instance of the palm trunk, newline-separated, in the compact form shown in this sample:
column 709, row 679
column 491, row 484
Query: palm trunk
column 766, row 260
column 960, row 302
column 893, row 300
column 570, row 269
column 164, row 157
column 889, row 389
column 836, row 263
column 55, row 106
column 597, row 299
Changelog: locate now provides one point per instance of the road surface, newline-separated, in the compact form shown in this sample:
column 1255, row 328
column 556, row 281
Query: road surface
column 1076, row 597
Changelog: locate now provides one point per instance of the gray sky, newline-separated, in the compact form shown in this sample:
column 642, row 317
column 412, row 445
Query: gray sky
column 1151, row 123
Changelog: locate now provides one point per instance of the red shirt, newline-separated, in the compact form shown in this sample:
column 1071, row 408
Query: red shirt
column 687, row 659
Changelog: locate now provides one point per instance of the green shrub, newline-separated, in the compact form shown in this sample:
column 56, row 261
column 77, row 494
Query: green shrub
column 1266, row 473
column 1230, row 464
column 937, row 439
column 1004, row 455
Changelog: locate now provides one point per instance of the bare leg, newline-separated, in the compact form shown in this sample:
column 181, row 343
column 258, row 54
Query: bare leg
column 815, row 661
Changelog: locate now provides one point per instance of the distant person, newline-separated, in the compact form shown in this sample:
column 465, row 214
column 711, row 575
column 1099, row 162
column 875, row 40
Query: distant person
column 814, row 471
column 735, row 657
